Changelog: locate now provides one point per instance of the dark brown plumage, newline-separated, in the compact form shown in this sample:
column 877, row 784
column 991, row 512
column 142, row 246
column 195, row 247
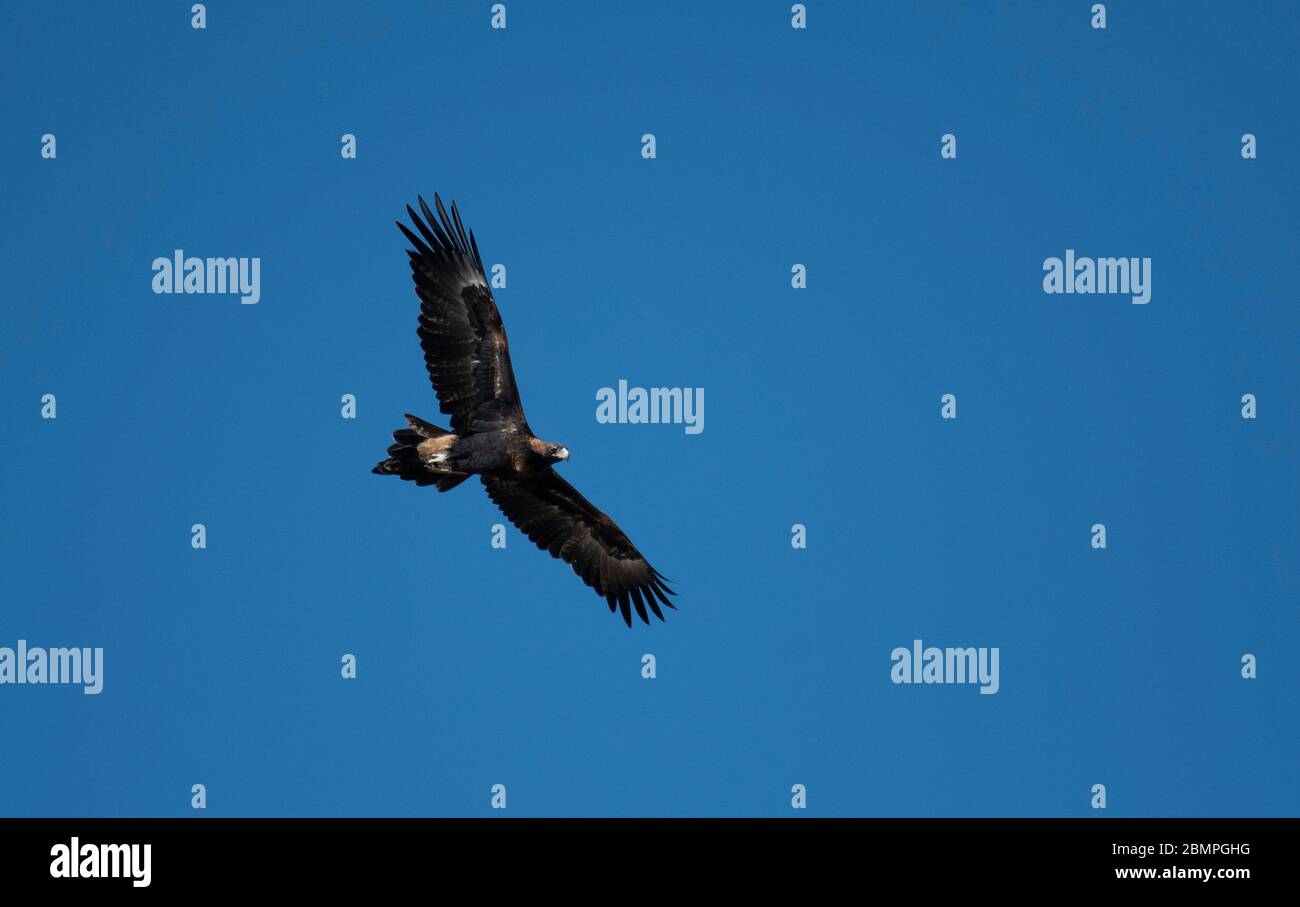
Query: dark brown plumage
column 468, row 359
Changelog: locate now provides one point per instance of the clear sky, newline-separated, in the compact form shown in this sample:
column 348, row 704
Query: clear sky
column 479, row 666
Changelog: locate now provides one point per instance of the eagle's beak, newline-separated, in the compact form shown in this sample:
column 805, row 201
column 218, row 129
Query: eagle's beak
column 564, row 453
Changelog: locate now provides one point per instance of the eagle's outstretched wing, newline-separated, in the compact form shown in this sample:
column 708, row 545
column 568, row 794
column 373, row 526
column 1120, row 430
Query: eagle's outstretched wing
column 557, row 519
column 464, row 342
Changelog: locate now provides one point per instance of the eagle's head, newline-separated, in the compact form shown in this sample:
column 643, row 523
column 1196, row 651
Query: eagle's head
column 547, row 451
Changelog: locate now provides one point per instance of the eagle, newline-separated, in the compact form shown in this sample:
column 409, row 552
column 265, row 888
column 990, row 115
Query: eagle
column 468, row 359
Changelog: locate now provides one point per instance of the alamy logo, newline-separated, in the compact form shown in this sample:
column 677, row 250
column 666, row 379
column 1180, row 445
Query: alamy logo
column 1126, row 276
column 179, row 274
column 36, row 665
column 102, row 861
column 637, row 405
column 951, row 665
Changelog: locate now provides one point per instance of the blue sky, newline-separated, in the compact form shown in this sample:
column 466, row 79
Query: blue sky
column 775, row 146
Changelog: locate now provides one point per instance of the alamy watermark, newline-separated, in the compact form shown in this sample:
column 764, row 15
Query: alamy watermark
column 35, row 665
column 653, row 406
column 1126, row 276
column 952, row 665
column 75, row 860
column 179, row 274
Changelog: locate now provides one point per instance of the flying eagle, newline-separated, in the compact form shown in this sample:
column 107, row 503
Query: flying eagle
column 468, row 358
